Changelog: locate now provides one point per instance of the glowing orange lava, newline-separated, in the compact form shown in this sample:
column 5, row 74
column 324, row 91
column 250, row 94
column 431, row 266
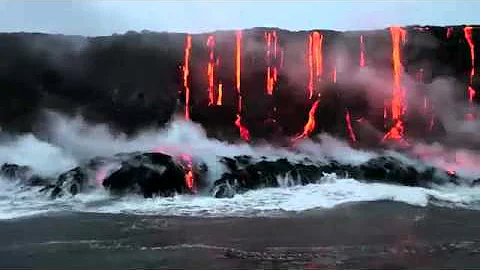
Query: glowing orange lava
column 468, row 36
column 244, row 133
column 351, row 133
column 186, row 73
column 220, row 94
column 362, row 52
column 189, row 177
column 398, row 35
column 315, row 61
column 211, row 70
column 310, row 125
column 271, row 57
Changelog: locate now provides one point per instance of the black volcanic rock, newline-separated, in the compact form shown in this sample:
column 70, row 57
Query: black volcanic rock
column 24, row 174
column 148, row 174
column 241, row 176
column 15, row 171
column 72, row 181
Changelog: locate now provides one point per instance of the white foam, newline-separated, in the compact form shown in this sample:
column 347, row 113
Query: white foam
column 20, row 203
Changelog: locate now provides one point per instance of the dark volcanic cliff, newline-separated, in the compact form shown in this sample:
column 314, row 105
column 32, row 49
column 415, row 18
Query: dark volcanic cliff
column 135, row 80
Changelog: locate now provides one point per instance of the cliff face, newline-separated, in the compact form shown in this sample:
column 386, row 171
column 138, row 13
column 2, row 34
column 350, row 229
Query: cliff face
column 138, row 79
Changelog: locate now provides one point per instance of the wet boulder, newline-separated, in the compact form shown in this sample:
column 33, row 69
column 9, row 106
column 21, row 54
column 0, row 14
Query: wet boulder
column 148, row 174
column 15, row 172
column 24, row 174
column 71, row 182
column 393, row 170
column 244, row 173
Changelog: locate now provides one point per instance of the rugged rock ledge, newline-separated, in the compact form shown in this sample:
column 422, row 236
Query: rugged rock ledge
column 158, row 174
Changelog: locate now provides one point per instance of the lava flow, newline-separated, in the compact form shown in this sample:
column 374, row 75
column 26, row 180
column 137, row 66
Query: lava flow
column 310, row 125
column 398, row 103
column 211, row 70
column 244, row 133
column 272, row 73
column 189, row 177
column 362, row 52
column 220, row 94
column 186, row 73
column 315, row 61
column 351, row 133
column 468, row 36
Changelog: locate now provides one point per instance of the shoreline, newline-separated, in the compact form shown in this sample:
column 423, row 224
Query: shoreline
column 369, row 234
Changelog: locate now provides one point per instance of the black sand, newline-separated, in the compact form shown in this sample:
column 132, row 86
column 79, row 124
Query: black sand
column 379, row 235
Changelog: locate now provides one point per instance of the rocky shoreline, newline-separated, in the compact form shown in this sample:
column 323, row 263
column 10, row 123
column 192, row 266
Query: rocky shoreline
column 159, row 174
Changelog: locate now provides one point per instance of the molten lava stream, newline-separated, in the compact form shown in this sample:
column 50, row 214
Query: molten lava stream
column 189, row 176
column 398, row 107
column 186, row 73
column 220, row 94
column 310, row 125
column 315, row 61
column 351, row 133
column 470, row 90
column 362, row 52
column 211, row 70
column 244, row 132
column 271, row 54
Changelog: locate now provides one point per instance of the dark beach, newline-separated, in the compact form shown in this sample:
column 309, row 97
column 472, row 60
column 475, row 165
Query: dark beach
column 380, row 235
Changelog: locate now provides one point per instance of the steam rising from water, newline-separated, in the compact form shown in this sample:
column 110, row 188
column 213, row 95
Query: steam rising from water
column 72, row 140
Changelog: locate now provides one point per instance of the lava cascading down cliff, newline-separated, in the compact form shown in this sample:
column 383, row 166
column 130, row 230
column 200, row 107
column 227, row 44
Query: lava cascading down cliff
column 262, row 83
column 395, row 105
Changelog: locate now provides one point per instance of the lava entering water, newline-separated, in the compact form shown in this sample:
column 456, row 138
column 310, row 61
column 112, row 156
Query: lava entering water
column 189, row 177
column 310, row 125
column 468, row 36
column 315, row 61
column 272, row 73
column 398, row 35
column 362, row 52
column 211, row 70
column 244, row 133
column 186, row 73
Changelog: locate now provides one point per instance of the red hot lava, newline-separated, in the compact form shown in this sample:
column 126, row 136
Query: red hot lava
column 310, row 125
column 220, row 94
column 211, row 69
column 351, row 133
column 315, row 61
column 244, row 133
column 468, row 36
column 186, row 73
column 189, row 176
column 362, row 52
column 398, row 35
column 271, row 57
